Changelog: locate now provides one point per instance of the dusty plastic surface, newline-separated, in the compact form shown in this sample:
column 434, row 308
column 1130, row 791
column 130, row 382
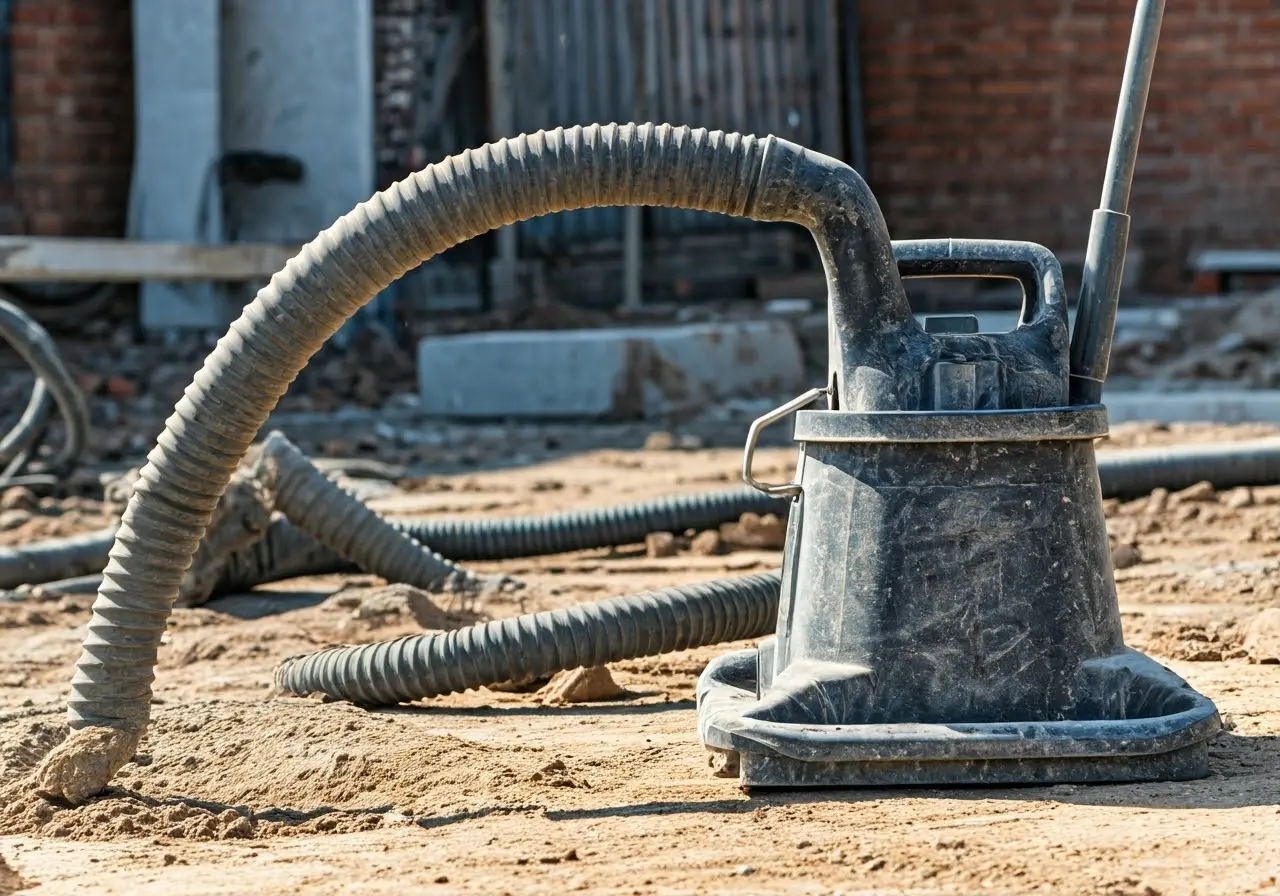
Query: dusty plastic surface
column 948, row 610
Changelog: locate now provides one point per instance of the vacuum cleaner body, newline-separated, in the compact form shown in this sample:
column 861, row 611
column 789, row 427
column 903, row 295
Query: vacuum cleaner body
column 948, row 615
column 948, row 609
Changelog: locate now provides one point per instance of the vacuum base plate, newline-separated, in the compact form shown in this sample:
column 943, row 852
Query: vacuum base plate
column 1171, row 746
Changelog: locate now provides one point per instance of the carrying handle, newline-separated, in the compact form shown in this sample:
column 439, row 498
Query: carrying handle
column 1031, row 264
column 789, row 489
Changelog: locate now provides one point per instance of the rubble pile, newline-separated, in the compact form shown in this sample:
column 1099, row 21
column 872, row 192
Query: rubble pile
column 1228, row 339
column 132, row 384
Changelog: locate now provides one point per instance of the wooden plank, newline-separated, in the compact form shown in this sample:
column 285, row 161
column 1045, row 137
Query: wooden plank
column 30, row 259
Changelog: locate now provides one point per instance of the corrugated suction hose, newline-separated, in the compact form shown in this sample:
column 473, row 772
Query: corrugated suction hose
column 54, row 385
column 286, row 552
column 1136, row 472
column 538, row 644
column 342, row 269
column 346, row 527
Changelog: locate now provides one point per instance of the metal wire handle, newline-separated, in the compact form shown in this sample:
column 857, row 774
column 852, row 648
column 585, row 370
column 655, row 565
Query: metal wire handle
column 789, row 489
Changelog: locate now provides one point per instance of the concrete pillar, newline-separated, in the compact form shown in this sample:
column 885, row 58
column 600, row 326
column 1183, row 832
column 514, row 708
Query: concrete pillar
column 177, row 141
column 293, row 77
column 297, row 78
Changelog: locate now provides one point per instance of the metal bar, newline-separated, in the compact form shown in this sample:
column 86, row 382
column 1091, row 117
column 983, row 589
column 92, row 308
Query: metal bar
column 633, row 222
column 1109, row 231
column 852, row 43
column 1135, row 86
column 497, row 29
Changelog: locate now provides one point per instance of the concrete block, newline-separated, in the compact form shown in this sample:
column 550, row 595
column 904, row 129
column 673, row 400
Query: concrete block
column 623, row 373
column 1212, row 405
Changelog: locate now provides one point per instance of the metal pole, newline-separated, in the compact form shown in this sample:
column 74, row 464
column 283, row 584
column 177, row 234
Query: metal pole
column 633, row 216
column 1109, row 230
column 497, row 25
column 853, row 86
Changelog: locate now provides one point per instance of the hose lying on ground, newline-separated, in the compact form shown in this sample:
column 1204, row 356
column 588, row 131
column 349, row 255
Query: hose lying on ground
column 423, row 666
column 539, row 644
column 74, row 585
column 56, row 558
column 54, row 384
column 321, row 510
column 1136, row 472
column 285, row 552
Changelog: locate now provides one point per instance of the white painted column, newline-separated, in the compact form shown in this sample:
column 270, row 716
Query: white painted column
column 177, row 140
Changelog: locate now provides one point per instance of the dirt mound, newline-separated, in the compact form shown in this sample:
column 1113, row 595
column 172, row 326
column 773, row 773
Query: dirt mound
column 583, row 686
column 22, row 750
column 10, row 881
column 1195, row 642
column 281, row 767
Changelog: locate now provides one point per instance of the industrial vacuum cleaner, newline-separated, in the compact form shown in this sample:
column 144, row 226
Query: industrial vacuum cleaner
column 946, row 611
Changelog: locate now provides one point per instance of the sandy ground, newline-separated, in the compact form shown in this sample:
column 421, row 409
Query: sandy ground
column 235, row 790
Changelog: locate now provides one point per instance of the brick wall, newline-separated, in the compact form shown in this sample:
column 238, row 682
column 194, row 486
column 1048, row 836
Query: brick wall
column 983, row 118
column 72, row 116
column 992, row 118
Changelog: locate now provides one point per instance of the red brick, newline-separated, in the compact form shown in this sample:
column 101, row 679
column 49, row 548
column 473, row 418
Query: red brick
column 73, row 115
column 1035, row 123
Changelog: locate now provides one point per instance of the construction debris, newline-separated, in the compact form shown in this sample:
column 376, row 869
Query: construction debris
column 1262, row 638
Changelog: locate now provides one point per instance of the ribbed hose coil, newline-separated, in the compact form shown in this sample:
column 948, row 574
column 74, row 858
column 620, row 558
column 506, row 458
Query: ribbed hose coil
column 361, row 254
column 1136, row 472
column 577, row 530
column 539, row 644
column 286, row 552
column 54, row 384
column 319, row 508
